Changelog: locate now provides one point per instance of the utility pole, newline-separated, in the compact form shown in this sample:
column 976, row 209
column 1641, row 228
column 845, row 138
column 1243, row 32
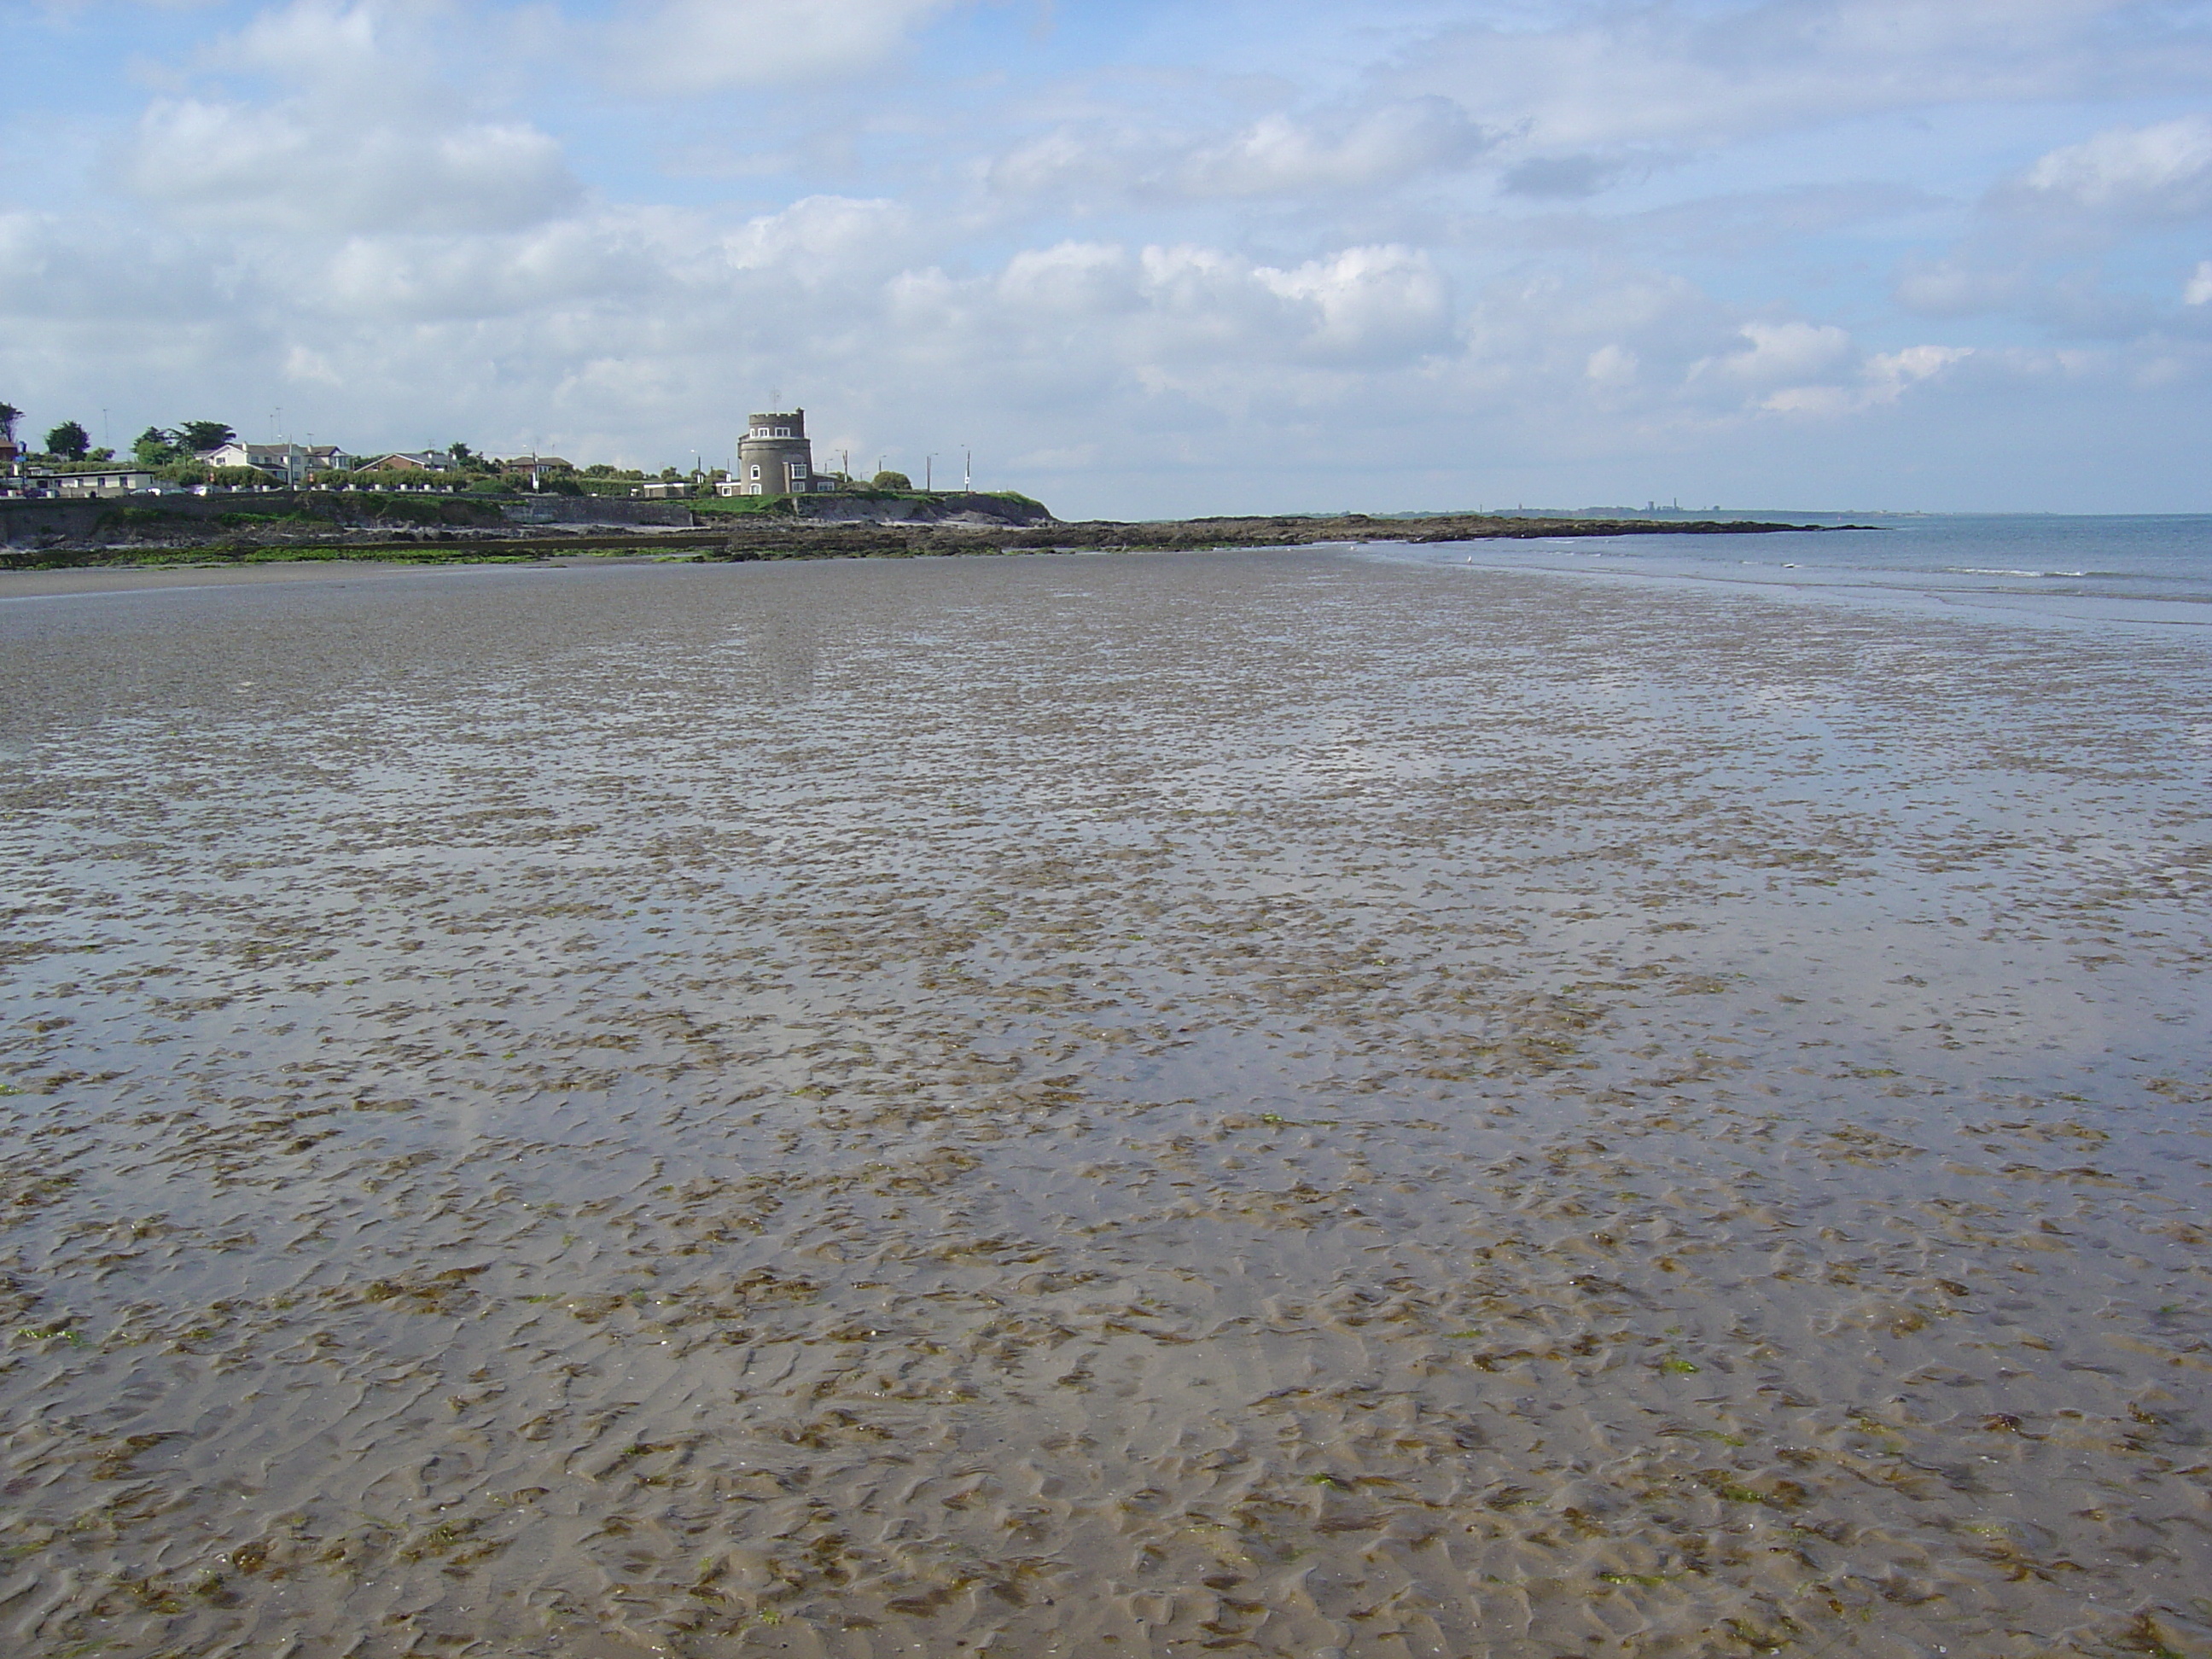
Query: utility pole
column 967, row 470
column 928, row 474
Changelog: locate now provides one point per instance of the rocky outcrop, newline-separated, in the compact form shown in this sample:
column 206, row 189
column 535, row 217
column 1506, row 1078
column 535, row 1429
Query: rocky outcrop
column 956, row 507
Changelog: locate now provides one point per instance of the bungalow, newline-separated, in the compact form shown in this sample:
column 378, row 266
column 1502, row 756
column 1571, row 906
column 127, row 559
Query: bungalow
column 409, row 460
column 110, row 481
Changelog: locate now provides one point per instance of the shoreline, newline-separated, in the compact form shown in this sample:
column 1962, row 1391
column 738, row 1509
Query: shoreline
column 764, row 537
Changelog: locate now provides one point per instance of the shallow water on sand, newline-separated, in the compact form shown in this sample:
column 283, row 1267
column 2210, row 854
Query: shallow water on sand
column 1258, row 1103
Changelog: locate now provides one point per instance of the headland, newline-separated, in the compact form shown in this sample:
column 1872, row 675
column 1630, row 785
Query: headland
column 325, row 524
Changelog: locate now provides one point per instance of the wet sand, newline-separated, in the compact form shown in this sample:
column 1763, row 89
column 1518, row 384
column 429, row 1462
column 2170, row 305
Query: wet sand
column 1272, row 1103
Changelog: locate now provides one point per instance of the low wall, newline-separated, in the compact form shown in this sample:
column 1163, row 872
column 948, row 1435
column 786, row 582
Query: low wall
column 951, row 506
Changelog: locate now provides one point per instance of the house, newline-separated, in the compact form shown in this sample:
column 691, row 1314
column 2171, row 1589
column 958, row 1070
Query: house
column 409, row 460
column 110, row 481
column 775, row 458
column 292, row 462
column 536, row 466
column 668, row 491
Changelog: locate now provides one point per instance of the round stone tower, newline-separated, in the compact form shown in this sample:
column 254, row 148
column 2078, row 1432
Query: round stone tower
column 775, row 458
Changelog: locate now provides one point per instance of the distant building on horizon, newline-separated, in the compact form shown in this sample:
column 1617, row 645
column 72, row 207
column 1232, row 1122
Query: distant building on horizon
column 775, row 458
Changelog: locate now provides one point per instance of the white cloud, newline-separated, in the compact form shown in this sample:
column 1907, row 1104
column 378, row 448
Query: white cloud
column 1378, row 148
column 823, row 237
column 317, row 40
column 1891, row 374
column 1672, row 73
column 2199, row 290
column 1280, row 155
column 1958, row 286
column 1145, row 340
column 303, row 166
column 1370, row 304
column 364, row 136
column 1179, row 313
column 1778, row 351
column 1882, row 379
column 690, row 46
column 1074, row 280
column 56, row 267
column 415, row 278
column 1612, row 366
column 1367, row 305
column 2132, row 173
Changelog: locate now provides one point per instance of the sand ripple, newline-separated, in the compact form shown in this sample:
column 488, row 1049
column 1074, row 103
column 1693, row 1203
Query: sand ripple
column 1270, row 1104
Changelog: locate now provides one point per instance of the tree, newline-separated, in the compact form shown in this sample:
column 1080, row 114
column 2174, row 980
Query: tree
column 198, row 437
column 155, row 448
column 8, row 416
column 68, row 442
column 462, row 454
column 891, row 481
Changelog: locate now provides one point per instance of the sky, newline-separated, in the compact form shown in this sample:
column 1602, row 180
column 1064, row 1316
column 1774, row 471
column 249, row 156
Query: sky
column 1146, row 259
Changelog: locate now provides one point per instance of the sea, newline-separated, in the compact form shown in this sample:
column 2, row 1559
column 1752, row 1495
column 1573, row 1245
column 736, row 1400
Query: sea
column 2128, row 571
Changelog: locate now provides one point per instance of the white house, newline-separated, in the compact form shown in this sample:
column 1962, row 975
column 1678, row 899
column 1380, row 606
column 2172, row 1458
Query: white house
column 111, row 481
column 292, row 463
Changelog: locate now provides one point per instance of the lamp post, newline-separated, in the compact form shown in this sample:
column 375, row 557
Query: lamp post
column 928, row 473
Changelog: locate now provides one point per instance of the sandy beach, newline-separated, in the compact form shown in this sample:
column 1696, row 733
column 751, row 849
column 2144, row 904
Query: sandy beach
column 1281, row 1104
